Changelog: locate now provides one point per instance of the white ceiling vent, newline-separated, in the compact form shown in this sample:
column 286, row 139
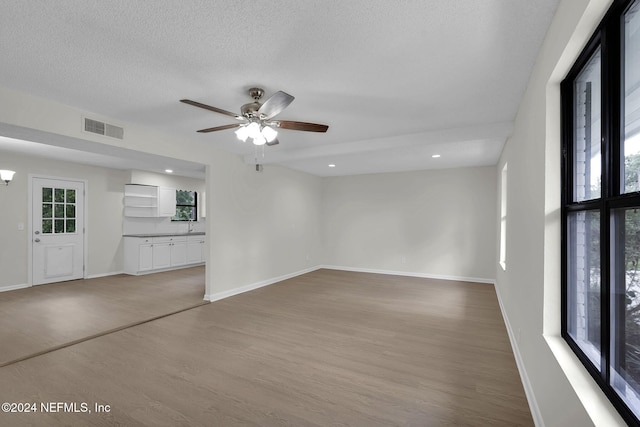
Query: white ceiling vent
column 102, row 128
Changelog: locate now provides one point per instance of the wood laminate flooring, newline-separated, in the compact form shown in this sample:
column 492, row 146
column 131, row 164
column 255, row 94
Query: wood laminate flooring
column 41, row 318
column 328, row 348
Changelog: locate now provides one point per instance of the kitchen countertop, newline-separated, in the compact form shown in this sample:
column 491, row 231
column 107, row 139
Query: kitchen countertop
column 193, row 233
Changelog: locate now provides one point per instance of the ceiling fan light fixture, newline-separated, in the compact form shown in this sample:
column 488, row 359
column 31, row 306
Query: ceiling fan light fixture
column 259, row 140
column 242, row 133
column 269, row 133
column 253, row 129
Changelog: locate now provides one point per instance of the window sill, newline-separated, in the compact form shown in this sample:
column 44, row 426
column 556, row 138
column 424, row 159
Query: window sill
column 598, row 407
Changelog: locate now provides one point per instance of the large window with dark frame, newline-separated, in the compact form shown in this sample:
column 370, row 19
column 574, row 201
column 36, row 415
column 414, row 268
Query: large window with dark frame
column 186, row 206
column 601, row 207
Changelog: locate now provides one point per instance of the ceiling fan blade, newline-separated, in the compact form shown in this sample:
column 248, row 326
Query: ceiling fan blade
column 274, row 142
column 275, row 104
column 304, row 126
column 223, row 127
column 214, row 109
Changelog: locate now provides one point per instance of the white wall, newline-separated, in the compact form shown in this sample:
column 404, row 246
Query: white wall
column 104, row 215
column 435, row 223
column 562, row 392
column 265, row 224
column 167, row 180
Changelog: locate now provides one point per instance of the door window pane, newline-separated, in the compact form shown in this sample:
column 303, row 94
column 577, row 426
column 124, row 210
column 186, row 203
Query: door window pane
column 625, row 304
column 586, row 133
column 71, row 196
column 583, row 282
column 47, row 195
column 631, row 136
column 59, row 195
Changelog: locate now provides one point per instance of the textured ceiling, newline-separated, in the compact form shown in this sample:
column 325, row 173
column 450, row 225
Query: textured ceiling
column 395, row 81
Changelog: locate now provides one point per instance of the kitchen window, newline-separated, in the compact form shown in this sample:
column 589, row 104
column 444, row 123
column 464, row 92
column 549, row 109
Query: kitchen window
column 186, row 206
column 601, row 207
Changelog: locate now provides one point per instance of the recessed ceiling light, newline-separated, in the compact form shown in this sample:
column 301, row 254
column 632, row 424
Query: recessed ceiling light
column 168, row 170
column 332, row 165
column 435, row 156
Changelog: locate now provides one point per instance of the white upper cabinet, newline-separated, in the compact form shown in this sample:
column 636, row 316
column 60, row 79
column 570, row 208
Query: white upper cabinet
column 166, row 201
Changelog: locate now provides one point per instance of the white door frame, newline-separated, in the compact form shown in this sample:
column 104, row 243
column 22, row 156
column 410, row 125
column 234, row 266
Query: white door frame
column 30, row 222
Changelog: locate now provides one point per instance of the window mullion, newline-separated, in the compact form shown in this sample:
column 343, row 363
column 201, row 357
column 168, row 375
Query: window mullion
column 608, row 191
column 612, row 253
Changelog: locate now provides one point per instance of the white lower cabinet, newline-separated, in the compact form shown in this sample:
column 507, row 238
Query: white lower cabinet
column 161, row 253
column 195, row 249
column 148, row 254
column 178, row 251
column 145, row 254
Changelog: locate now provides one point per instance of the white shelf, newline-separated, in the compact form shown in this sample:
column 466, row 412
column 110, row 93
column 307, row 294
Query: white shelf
column 149, row 201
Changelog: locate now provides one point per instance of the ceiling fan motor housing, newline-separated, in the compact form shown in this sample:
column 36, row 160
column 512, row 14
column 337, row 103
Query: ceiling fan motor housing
column 250, row 110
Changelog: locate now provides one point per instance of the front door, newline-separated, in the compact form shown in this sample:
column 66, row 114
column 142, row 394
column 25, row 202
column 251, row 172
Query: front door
column 58, row 230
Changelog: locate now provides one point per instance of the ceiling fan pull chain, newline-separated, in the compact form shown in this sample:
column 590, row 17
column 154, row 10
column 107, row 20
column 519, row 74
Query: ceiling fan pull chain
column 255, row 158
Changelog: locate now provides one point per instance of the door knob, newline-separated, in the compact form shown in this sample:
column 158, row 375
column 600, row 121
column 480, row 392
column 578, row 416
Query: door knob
column 37, row 232
column 37, row 240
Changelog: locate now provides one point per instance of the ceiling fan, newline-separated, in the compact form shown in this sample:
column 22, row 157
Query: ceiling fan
column 257, row 119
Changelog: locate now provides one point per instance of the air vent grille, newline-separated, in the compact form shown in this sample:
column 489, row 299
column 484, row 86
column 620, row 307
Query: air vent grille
column 93, row 126
column 114, row 131
column 101, row 128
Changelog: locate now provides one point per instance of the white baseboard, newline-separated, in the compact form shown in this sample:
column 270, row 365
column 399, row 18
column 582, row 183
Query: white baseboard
column 162, row 270
column 411, row 274
column 26, row 285
column 528, row 389
column 96, row 276
column 226, row 294
column 14, row 287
